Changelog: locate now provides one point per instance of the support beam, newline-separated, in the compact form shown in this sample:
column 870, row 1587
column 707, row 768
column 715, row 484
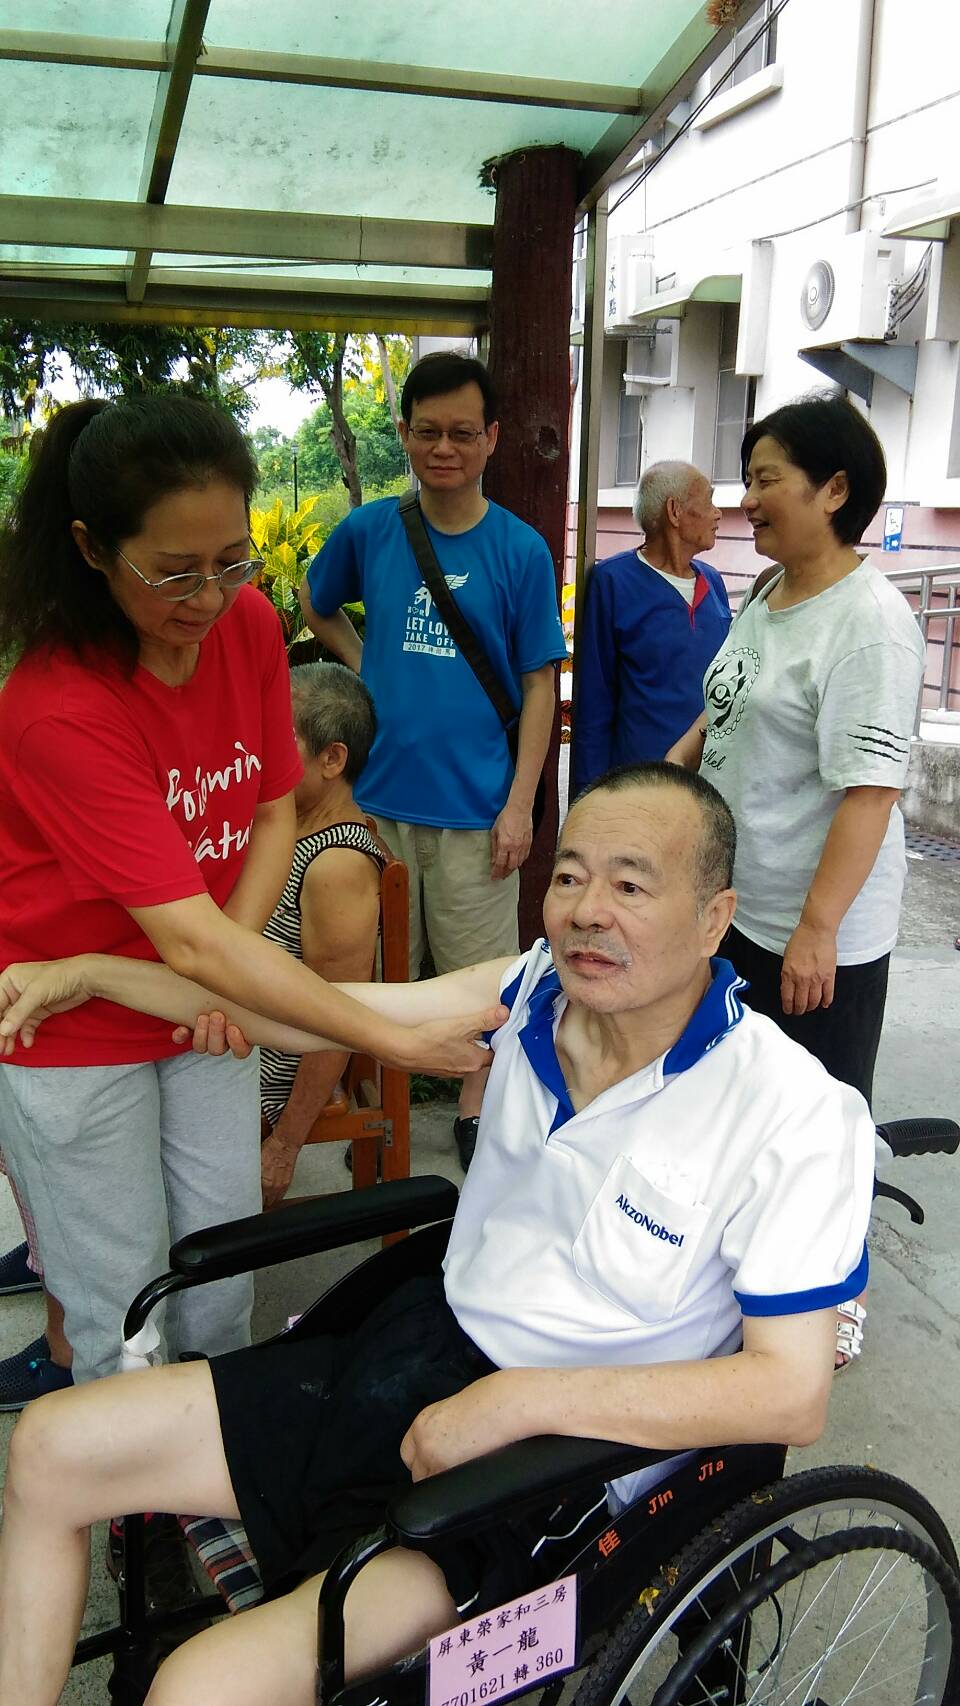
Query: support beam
column 55, row 222
column 530, row 367
column 338, row 307
column 314, row 71
column 591, row 386
column 182, row 49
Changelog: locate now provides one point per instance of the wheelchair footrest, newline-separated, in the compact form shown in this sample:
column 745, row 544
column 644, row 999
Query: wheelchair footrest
column 224, row 1551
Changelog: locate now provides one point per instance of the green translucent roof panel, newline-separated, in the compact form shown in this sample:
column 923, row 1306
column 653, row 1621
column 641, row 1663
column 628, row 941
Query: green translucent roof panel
column 350, row 113
column 614, row 41
column 347, row 151
column 73, row 130
column 134, row 20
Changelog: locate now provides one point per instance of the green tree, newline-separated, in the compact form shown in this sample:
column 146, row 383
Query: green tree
column 219, row 363
column 318, row 362
column 274, row 455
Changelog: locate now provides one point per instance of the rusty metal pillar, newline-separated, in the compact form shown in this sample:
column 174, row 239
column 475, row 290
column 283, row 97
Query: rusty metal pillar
column 530, row 366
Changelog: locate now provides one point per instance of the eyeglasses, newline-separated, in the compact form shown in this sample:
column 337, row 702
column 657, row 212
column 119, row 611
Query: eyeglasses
column 462, row 436
column 175, row 588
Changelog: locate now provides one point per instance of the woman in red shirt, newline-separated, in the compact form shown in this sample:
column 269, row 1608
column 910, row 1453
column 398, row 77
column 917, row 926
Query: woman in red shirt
column 147, row 767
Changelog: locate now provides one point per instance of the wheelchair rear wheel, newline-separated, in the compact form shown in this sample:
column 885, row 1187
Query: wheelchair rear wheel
column 829, row 1587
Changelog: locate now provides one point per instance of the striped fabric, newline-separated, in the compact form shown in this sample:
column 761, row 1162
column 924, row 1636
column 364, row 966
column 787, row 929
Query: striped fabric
column 224, row 1551
column 277, row 1070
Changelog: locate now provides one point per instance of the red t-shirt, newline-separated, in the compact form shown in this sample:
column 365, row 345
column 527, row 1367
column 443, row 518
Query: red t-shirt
column 119, row 791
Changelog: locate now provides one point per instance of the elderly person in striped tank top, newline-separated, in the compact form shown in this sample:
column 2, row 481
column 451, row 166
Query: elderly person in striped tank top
column 329, row 910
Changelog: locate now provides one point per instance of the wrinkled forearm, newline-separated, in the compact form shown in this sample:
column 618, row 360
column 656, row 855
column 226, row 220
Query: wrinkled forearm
column 739, row 1399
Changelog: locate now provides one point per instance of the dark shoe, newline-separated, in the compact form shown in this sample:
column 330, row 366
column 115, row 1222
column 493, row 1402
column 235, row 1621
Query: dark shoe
column 465, row 1134
column 30, row 1374
column 15, row 1276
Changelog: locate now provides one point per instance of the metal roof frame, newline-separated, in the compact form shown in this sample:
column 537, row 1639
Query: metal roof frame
column 253, row 277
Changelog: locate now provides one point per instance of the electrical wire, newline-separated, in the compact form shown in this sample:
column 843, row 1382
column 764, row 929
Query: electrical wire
column 691, row 117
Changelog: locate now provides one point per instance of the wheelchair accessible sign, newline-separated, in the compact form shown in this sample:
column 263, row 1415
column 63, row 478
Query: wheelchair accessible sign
column 510, row 1649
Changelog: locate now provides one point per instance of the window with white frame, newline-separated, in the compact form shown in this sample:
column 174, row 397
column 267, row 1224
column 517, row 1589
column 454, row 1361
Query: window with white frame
column 736, row 396
column 760, row 55
column 629, row 439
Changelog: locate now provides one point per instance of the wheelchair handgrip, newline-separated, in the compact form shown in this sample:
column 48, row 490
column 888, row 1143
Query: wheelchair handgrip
column 921, row 1137
column 305, row 1228
column 516, row 1477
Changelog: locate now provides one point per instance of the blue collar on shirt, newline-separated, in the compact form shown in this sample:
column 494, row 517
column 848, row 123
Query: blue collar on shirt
column 716, row 1015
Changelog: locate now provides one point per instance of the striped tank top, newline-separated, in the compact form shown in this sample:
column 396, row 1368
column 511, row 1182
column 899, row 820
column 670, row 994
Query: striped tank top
column 278, row 1070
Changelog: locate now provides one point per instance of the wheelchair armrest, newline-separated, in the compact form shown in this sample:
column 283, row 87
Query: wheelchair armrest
column 304, row 1228
column 515, row 1478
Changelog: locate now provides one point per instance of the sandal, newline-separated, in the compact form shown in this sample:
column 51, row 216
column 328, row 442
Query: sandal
column 850, row 1319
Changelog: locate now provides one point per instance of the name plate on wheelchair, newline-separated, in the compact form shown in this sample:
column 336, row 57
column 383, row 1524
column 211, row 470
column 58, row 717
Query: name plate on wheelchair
column 508, row 1650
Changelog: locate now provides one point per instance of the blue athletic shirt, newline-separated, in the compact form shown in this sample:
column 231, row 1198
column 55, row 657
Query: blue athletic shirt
column 440, row 756
column 640, row 662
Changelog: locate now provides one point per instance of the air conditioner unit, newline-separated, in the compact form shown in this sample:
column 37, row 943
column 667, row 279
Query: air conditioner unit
column 629, row 278
column 844, row 289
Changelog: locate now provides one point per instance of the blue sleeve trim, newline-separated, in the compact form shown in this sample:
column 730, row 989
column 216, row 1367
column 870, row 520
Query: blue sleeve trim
column 507, row 999
column 803, row 1302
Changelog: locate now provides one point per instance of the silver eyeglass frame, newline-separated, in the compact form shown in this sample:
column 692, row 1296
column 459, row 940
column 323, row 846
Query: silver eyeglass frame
column 251, row 564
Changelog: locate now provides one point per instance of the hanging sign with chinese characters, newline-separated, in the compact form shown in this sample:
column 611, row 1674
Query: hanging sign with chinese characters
column 511, row 1648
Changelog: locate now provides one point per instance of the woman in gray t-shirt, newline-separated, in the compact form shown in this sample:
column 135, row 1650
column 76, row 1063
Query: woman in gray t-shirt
column 810, row 707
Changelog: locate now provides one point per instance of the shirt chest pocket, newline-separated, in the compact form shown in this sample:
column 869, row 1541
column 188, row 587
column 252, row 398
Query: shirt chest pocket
column 637, row 1244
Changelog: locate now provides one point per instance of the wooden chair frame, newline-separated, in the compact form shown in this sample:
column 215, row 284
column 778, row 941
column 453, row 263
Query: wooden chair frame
column 373, row 1115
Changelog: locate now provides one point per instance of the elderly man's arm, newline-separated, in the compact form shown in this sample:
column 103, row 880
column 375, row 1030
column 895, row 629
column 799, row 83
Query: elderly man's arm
column 775, row 1389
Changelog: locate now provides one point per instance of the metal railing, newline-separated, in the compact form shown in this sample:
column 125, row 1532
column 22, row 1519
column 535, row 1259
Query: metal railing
column 945, row 578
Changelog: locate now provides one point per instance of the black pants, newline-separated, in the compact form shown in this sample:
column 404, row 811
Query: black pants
column 844, row 1036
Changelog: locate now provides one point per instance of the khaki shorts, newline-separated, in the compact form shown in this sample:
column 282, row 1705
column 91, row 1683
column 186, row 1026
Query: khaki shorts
column 455, row 905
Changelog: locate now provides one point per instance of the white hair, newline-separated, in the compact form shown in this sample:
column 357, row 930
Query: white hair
column 662, row 480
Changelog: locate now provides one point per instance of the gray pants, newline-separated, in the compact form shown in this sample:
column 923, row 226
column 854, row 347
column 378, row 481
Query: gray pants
column 117, row 1163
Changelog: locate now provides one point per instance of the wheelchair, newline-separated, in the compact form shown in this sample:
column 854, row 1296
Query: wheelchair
column 723, row 1584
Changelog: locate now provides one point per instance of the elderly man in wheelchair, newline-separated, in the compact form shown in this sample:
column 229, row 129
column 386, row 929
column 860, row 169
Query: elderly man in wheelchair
column 668, row 1200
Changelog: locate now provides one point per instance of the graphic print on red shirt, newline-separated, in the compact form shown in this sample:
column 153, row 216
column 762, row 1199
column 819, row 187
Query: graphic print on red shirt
column 120, row 791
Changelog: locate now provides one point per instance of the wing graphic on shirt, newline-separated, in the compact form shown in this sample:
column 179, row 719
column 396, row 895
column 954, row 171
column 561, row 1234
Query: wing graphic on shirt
column 424, row 596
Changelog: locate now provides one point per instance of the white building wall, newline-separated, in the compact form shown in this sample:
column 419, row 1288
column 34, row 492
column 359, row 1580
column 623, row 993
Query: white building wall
column 780, row 171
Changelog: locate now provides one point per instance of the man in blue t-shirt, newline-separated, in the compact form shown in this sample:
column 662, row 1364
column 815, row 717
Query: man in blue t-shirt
column 439, row 779
column 654, row 620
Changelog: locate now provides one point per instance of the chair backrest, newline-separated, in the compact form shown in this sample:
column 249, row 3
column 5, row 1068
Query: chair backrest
column 394, row 914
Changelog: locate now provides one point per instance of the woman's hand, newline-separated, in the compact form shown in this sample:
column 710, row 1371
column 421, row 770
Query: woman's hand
column 445, row 1048
column 30, row 992
column 213, row 1035
column 809, row 969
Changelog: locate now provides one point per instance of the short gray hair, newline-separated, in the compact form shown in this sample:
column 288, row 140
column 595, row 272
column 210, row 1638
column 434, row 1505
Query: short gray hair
column 330, row 703
column 662, row 480
column 713, row 857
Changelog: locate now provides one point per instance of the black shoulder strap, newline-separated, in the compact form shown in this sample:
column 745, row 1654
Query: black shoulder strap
column 763, row 579
column 458, row 627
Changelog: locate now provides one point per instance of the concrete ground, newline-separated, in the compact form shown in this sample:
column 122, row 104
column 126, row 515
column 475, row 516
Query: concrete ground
column 896, row 1408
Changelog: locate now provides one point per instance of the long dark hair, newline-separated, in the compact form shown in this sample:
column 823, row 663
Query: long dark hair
column 104, row 464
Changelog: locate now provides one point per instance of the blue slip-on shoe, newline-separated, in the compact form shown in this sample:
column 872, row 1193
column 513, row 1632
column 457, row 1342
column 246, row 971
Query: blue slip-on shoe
column 30, row 1374
column 15, row 1276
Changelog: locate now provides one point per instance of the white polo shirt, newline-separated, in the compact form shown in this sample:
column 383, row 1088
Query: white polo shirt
column 730, row 1177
